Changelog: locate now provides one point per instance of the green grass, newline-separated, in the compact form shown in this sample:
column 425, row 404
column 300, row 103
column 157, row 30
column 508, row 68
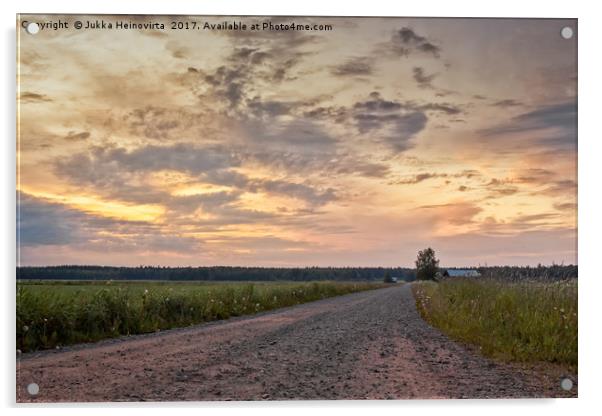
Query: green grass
column 51, row 314
column 525, row 322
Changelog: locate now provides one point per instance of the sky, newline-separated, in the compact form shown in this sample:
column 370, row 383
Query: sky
column 356, row 146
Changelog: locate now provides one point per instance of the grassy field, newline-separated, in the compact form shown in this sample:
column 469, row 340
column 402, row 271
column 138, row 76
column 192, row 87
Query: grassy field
column 51, row 314
column 526, row 322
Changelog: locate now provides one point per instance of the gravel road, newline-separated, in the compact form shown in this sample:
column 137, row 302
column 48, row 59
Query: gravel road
column 367, row 345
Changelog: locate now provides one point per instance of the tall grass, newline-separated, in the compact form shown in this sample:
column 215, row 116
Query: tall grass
column 50, row 315
column 527, row 321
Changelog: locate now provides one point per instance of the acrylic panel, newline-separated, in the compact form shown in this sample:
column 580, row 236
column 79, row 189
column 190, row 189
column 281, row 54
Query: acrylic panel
column 295, row 208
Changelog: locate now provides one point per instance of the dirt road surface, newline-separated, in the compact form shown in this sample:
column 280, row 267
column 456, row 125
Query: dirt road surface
column 367, row 345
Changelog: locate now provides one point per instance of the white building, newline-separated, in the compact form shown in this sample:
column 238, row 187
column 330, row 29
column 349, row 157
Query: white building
column 461, row 273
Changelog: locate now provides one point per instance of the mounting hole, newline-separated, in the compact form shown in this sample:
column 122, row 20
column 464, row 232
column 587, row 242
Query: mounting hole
column 33, row 389
column 32, row 28
column 566, row 32
column 566, row 384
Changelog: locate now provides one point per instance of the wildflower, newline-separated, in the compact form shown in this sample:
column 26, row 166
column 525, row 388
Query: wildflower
column 25, row 328
column 146, row 291
column 166, row 299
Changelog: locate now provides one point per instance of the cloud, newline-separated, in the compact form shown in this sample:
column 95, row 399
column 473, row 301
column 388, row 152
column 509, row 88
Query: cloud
column 446, row 108
column 423, row 80
column 325, row 164
column 566, row 206
column 534, row 175
column 405, row 41
column 183, row 157
column 498, row 188
column 73, row 136
column 397, row 129
column 562, row 117
column 295, row 190
column 397, row 122
column 300, row 134
column 405, row 128
column 376, row 103
column 32, row 97
column 522, row 223
column 535, row 218
column 421, row 177
column 270, row 108
column 358, row 66
column 500, row 191
column 459, row 213
column 117, row 172
column 41, row 222
column 210, row 202
column 227, row 85
column 156, row 123
column 357, row 167
column 253, row 56
column 330, row 113
column 526, row 180
column 548, row 128
column 255, row 64
column 566, row 187
column 121, row 174
column 507, row 103
column 267, row 244
column 511, row 248
column 177, row 50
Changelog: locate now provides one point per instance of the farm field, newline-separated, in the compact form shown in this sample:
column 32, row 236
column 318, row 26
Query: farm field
column 523, row 321
column 52, row 314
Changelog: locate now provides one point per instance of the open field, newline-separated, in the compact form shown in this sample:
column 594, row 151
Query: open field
column 526, row 322
column 51, row 314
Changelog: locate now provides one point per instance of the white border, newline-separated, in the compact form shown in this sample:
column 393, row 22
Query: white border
column 590, row 208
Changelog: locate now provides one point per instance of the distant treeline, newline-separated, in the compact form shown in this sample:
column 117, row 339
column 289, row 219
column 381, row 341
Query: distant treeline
column 217, row 273
column 225, row 273
column 543, row 273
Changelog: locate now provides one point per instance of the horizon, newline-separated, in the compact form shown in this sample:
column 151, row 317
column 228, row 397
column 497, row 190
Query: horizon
column 295, row 267
column 291, row 149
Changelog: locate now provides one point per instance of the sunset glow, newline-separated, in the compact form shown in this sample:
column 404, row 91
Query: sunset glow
column 353, row 147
